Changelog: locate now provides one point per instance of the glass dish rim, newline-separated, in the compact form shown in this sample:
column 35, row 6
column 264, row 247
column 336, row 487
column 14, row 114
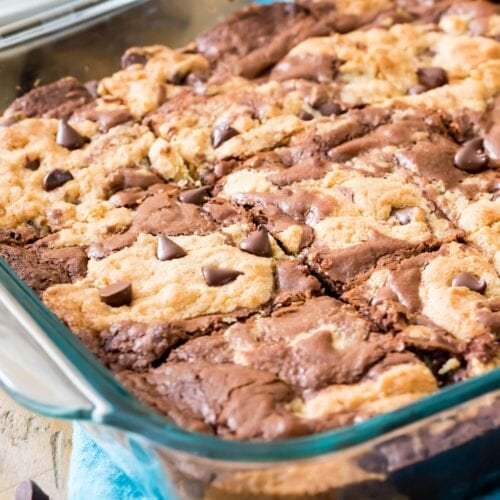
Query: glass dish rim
column 128, row 414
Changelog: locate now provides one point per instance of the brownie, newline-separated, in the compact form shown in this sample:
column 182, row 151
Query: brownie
column 42, row 268
column 240, row 402
column 290, row 225
column 447, row 298
column 182, row 286
column 55, row 100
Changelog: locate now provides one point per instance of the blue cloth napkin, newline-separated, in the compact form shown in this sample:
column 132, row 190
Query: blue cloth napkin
column 94, row 476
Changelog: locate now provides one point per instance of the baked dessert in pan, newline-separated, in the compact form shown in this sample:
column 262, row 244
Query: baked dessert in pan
column 289, row 225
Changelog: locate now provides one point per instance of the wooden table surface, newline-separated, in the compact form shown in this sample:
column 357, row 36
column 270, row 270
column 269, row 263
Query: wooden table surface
column 32, row 447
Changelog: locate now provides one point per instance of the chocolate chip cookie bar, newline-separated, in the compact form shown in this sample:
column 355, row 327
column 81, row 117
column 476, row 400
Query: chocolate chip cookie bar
column 289, row 225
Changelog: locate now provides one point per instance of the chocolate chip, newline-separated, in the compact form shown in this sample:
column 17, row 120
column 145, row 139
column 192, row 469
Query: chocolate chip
column 178, row 78
column 470, row 281
column 112, row 118
column 168, row 249
column 403, row 215
column 132, row 178
column 258, row 243
column 32, row 164
column 133, row 58
column 432, row 77
column 56, row 178
column 118, row 294
column 471, row 156
column 196, row 196
column 305, row 116
column 222, row 133
column 68, row 137
column 129, row 198
column 223, row 167
column 29, row 490
column 329, row 108
column 209, row 178
column 216, row 276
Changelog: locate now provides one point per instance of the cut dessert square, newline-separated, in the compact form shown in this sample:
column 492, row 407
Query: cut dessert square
column 53, row 170
column 174, row 274
column 449, row 297
column 235, row 120
column 343, row 218
column 452, row 158
column 307, row 367
column 240, row 402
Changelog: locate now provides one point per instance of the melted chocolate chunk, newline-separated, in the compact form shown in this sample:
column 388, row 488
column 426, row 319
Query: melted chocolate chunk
column 109, row 119
column 293, row 280
column 44, row 267
column 340, row 267
column 471, row 157
column 250, row 41
column 403, row 215
column 433, row 161
column 168, row 249
column 469, row 281
column 222, row 133
column 56, row 178
column 329, row 108
column 29, row 490
column 134, row 178
column 432, row 77
column 405, row 284
column 118, row 294
column 224, row 167
column 32, row 164
column 157, row 214
column 231, row 400
column 305, row 116
column 316, row 67
column 196, row 196
column 216, row 276
column 55, row 100
column 258, row 243
column 300, row 205
column 129, row 198
column 68, row 137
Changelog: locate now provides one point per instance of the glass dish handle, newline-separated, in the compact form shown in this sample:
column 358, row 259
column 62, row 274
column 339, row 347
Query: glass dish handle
column 28, row 371
column 44, row 367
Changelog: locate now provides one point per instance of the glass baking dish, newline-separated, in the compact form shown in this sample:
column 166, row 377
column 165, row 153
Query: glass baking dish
column 443, row 446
